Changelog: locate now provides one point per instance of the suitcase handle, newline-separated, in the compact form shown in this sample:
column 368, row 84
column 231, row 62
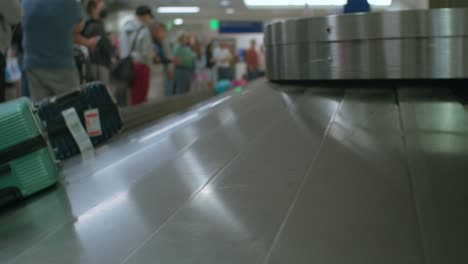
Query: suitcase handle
column 21, row 149
column 66, row 97
column 5, row 169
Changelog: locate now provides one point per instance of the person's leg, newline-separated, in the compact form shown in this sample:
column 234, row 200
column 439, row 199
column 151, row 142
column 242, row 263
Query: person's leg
column 37, row 89
column 255, row 75
column 209, row 75
column 187, row 82
column 182, row 79
column 2, row 77
column 140, row 86
column 157, row 87
column 103, row 75
column 63, row 81
column 47, row 83
column 121, row 93
column 146, row 82
column 135, row 84
column 178, row 78
column 169, row 87
column 24, row 79
column 221, row 73
column 193, row 82
column 99, row 73
column 93, row 72
column 226, row 75
column 230, row 74
column 250, row 76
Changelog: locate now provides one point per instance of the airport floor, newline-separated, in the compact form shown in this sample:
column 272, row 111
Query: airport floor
column 271, row 174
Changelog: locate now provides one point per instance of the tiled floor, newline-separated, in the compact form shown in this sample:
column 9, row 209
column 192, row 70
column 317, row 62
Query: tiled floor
column 329, row 176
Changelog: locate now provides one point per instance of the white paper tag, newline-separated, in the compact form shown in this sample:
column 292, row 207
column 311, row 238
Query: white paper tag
column 79, row 134
column 93, row 122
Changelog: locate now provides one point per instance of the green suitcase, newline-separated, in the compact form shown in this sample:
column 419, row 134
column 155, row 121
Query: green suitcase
column 27, row 163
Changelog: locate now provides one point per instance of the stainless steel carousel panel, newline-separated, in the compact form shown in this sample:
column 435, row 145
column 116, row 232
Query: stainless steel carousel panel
column 416, row 44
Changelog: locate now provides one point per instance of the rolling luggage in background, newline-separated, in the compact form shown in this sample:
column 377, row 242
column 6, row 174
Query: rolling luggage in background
column 27, row 164
column 96, row 109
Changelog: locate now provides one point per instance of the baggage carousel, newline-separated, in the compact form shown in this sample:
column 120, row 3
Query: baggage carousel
column 337, row 163
column 272, row 174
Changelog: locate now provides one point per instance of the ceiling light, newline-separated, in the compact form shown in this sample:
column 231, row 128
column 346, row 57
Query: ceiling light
column 230, row 11
column 380, row 2
column 178, row 21
column 292, row 3
column 178, row 9
column 225, row 2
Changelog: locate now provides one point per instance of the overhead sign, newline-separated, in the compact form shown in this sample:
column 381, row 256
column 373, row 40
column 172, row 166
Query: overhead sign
column 232, row 27
column 214, row 24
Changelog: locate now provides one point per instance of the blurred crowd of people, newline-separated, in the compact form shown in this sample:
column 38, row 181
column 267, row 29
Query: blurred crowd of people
column 60, row 44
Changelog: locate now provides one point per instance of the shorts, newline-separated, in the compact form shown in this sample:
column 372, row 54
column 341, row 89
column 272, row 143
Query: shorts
column 44, row 83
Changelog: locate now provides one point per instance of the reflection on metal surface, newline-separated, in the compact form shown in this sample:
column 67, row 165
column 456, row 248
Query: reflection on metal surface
column 198, row 174
column 211, row 204
column 442, row 144
column 215, row 103
column 168, row 127
column 102, row 207
column 142, row 140
column 417, row 44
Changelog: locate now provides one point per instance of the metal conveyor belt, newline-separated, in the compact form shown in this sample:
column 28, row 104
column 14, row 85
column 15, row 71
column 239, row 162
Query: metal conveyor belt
column 321, row 175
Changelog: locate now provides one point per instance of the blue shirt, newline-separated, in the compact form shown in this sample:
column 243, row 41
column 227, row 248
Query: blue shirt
column 48, row 27
column 160, row 52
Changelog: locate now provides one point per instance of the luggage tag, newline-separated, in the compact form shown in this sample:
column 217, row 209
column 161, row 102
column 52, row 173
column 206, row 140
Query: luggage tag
column 79, row 134
column 93, row 122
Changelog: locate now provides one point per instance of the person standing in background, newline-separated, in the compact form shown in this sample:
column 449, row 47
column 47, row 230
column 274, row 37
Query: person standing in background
column 17, row 45
column 200, row 76
column 135, row 41
column 10, row 16
column 114, row 39
column 261, row 61
column 50, row 28
column 233, row 62
column 223, row 59
column 100, row 57
column 210, row 63
column 163, row 72
column 251, row 59
column 184, row 67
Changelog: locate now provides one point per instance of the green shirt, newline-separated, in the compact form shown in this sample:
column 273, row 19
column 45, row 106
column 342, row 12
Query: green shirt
column 185, row 55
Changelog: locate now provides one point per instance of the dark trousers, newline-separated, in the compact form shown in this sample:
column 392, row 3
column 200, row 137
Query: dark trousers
column 252, row 75
column 141, row 84
column 182, row 80
column 224, row 74
column 121, row 93
column 24, row 79
column 2, row 77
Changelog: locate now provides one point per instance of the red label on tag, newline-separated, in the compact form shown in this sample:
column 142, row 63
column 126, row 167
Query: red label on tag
column 93, row 123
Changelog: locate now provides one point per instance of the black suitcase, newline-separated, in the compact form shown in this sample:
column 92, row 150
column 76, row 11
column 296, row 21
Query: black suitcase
column 92, row 96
